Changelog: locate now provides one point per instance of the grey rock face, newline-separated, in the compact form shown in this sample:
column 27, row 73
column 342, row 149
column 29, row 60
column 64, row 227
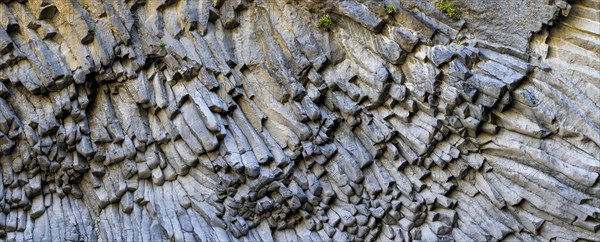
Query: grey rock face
column 510, row 23
column 240, row 120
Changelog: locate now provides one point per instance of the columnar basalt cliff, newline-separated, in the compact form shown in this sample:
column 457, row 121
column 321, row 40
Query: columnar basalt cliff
column 242, row 120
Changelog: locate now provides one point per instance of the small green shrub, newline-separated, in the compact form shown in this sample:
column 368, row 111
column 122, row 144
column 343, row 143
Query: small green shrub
column 449, row 9
column 325, row 23
column 162, row 44
column 390, row 9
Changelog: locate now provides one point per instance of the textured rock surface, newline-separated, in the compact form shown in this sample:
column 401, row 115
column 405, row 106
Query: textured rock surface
column 218, row 120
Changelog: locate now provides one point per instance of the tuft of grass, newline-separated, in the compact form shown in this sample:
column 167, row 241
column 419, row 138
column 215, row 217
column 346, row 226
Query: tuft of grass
column 390, row 9
column 449, row 9
column 325, row 23
column 162, row 44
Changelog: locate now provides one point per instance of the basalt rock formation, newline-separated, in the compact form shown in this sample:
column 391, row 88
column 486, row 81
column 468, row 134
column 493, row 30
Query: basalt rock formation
column 242, row 120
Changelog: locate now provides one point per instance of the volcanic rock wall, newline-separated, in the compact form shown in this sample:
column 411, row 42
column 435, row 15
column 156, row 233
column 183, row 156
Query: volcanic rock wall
column 198, row 120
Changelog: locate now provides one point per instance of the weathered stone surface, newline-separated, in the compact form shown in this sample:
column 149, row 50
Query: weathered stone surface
column 242, row 120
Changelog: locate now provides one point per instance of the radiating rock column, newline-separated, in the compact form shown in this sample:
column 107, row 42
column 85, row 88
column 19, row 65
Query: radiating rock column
column 236, row 120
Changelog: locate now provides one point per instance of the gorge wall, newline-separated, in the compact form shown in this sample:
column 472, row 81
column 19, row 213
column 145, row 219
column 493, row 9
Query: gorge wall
column 241, row 120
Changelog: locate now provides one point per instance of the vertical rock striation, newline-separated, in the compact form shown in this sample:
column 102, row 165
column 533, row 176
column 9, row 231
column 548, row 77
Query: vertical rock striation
column 241, row 120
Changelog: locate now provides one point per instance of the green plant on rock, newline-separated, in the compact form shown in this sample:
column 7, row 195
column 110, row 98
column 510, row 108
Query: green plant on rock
column 162, row 44
column 325, row 23
column 449, row 9
column 390, row 9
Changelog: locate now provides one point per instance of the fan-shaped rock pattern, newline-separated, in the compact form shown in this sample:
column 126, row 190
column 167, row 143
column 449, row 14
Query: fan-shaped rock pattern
column 198, row 120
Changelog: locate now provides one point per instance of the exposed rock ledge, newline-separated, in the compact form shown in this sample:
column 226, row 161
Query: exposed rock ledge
column 241, row 120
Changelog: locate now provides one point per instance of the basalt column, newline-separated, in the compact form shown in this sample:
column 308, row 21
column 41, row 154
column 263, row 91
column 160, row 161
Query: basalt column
column 298, row 120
